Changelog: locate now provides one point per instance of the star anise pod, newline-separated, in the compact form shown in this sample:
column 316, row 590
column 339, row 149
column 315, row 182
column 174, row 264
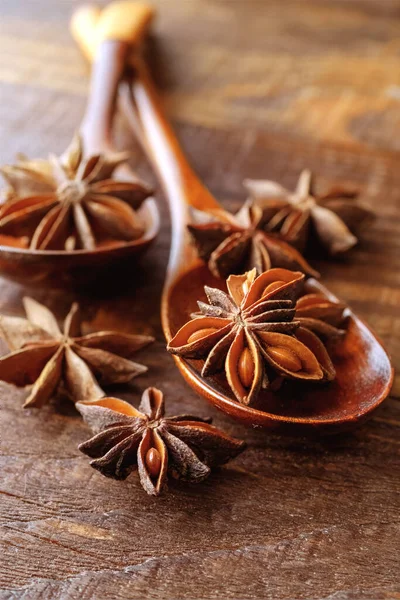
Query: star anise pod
column 232, row 244
column 185, row 446
column 47, row 357
column 253, row 335
column 300, row 215
column 72, row 201
column 325, row 318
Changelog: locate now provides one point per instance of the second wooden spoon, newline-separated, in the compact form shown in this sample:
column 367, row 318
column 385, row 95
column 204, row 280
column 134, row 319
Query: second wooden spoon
column 364, row 372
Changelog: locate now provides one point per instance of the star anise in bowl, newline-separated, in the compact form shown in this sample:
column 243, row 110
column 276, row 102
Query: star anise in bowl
column 257, row 336
column 331, row 217
column 72, row 202
column 48, row 358
column 235, row 243
column 185, row 447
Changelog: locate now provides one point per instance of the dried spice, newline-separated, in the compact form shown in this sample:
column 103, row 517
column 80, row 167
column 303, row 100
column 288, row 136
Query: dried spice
column 185, row 446
column 253, row 334
column 72, row 202
column 323, row 317
column 332, row 217
column 47, row 357
column 232, row 244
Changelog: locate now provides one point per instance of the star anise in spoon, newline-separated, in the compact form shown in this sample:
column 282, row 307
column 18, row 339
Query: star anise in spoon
column 48, row 357
column 232, row 244
column 72, row 201
column 325, row 318
column 300, row 215
column 185, row 446
column 253, row 335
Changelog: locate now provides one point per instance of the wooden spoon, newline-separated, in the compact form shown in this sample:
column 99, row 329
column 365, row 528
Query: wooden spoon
column 84, row 267
column 364, row 372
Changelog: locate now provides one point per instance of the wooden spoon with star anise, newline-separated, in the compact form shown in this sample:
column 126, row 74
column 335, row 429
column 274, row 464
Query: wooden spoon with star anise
column 274, row 351
column 82, row 216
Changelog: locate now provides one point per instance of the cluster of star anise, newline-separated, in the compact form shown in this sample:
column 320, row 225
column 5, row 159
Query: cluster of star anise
column 275, row 225
column 259, row 333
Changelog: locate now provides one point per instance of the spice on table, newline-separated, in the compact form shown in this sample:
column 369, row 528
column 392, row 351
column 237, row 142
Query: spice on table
column 232, row 244
column 126, row 438
column 254, row 335
column 71, row 202
column 298, row 216
column 44, row 355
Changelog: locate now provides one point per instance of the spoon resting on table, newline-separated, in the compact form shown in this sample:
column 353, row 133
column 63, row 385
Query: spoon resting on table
column 85, row 224
column 363, row 371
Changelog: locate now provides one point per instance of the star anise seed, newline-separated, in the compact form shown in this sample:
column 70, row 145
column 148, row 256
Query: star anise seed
column 44, row 355
column 126, row 438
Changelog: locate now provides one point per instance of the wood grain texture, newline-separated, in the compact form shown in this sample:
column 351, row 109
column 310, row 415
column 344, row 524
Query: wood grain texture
column 255, row 89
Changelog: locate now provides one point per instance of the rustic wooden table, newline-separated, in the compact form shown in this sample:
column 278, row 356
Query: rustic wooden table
column 255, row 88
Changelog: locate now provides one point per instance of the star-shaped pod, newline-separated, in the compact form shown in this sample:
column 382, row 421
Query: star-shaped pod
column 46, row 357
column 253, row 335
column 325, row 318
column 298, row 216
column 232, row 244
column 71, row 202
column 185, row 446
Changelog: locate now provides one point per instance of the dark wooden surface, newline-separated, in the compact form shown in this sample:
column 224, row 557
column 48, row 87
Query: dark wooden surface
column 255, row 88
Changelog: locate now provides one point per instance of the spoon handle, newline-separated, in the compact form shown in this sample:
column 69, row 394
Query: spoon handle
column 106, row 42
column 97, row 122
column 127, row 21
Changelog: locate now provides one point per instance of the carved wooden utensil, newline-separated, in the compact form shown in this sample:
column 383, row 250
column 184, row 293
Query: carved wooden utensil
column 364, row 372
column 77, row 268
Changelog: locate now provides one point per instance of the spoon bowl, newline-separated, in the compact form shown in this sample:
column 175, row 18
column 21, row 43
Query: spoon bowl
column 364, row 372
column 79, row 268
column 363, row 378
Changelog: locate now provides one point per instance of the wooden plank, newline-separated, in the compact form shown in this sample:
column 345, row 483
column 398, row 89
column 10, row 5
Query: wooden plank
column 255, row 89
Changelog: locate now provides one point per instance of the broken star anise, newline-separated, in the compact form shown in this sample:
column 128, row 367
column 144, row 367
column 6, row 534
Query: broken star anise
column 45, row 356
column 72, row 201
column 232, row 244
column 252, row 333
column 303, row 214
column 185, row 446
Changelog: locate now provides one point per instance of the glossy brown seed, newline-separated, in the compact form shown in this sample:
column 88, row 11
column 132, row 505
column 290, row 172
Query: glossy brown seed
column 197, row 335
column 285, row 358
column 246, row 368
column 272, row 287
column 153, row 462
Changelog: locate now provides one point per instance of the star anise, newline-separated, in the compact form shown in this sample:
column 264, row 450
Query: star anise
column 72, row 201
column 300, row 215
column 327, row 319
column 185, row 446
column 253, row 335
column 233, row 244
column 47, row 357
